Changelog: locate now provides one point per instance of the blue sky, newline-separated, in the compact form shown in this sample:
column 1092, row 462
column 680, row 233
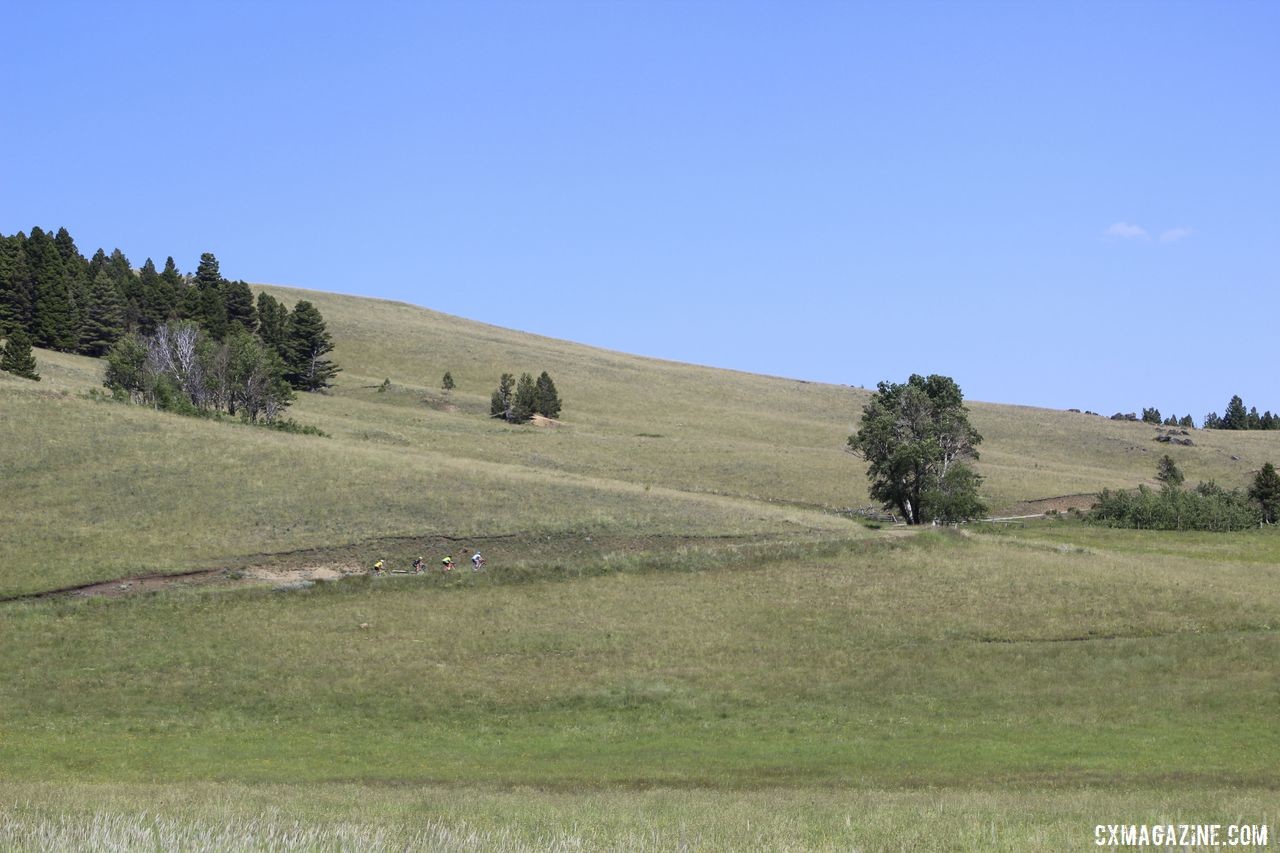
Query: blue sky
column 1058, row 205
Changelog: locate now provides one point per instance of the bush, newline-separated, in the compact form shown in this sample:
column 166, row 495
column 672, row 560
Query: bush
column 1206, row 507
column 291, row 426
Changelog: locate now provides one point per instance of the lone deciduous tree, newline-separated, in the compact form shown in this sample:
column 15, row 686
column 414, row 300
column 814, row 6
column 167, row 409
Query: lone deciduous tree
column 914, row 437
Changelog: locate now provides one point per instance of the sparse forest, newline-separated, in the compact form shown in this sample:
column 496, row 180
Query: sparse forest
column 52, row 297
column 517, row 401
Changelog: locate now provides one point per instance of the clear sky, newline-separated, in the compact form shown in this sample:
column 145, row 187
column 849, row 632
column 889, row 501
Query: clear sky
column 1072, row 204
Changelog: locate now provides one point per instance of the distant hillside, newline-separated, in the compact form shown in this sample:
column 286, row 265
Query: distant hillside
column 96, row 490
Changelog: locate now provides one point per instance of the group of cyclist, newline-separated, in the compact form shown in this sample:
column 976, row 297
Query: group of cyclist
column 419, row 567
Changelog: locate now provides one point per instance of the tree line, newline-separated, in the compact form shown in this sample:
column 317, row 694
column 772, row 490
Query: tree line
column 195, row 342
column 1236, row 417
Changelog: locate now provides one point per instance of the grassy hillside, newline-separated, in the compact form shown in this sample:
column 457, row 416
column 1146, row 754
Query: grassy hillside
column 103, row 490
column 744, row 434
column 676, row 642
column 1016, row 678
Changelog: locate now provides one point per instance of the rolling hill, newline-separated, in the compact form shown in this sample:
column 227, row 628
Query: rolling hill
column 678, row 642
column 644, row 446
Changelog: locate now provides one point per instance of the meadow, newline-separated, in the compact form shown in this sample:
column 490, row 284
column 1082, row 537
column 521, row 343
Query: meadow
column 677, row 643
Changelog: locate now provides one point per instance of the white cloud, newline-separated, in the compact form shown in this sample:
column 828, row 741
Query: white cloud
column 1127, row 231
column 1173, row 235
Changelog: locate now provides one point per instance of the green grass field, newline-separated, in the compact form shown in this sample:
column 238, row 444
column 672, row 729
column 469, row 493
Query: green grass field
column 676, row 643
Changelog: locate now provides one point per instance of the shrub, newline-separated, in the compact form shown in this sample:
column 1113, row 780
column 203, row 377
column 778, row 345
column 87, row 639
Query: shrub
column 1206, row 507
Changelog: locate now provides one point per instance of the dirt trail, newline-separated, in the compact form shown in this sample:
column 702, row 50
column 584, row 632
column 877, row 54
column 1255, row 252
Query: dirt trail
column 201, row 577
column 289, row 569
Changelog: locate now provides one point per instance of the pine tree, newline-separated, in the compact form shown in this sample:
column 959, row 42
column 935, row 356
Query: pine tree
column 158, row 301
column 523, row 405
column 173, row 280
column 190, row 306
column 15, row 285
column 208, row 273
column 239, row 302
column 55, row 324
column 1235, row 417
column 446, row 384
column 1187, row 422
column 129, row 286
column 307, row 343
column 16, row 356
column 1265, row 491
column 500, row 403
column 273, row 323
column 212, row 311
column 546, row 400
column 1168, row 472
column 105, row 318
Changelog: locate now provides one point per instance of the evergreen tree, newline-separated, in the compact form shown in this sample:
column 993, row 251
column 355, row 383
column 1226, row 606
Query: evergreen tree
column 208, row 272
column 17, row 358
column 174, row 282
column 1187, row 422
column 71, row 257
column 15, row 285
column 307, row 343
column 55, row 324
column 105, row 319
column 96, row 264
column 158, row 301
column 213, row 311
column 273, row 323
column 190, row 306
column 1254, row 420
column 1212, row 421
column 446, row 384
column 524, row 404
column 240, row 309
column 546, row 400
column 130, row 287
column 1151, row 416
column 1235, row 416
column 500, row 403
column 1168, row 472
column 212, row 300
column 1265, row 492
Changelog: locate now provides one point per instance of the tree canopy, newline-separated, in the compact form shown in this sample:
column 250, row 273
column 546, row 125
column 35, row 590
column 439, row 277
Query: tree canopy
column 915, row 437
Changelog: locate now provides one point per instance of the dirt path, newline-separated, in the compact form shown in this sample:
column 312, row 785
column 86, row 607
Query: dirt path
column 298, row 568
